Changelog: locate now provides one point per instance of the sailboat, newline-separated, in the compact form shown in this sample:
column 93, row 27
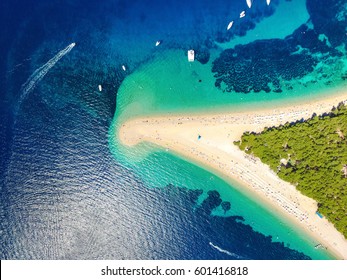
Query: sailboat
column 249, row 3
column 242, row 14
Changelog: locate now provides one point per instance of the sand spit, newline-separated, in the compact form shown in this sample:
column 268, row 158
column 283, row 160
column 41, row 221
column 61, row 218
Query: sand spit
column 208, row 141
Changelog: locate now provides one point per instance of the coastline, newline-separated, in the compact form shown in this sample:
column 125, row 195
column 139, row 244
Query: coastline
column 215, row 151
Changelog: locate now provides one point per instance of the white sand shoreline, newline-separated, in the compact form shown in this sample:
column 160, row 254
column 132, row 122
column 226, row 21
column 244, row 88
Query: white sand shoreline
column 215, row 150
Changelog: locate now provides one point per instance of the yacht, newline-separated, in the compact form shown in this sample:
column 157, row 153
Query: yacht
column 230, row 25
column 249, row 3
column 191, row 54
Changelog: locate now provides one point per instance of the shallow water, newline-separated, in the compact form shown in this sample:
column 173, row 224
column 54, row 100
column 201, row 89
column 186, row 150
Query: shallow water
column 70, row 191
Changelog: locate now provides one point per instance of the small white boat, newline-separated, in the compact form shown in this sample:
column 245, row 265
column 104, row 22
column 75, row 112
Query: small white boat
column 249, row 3
column 242, row 14
column 191, row 55
column 100, row 88
column 230, row 25
column 157, row 43
column 123, row 67
column 268, row 2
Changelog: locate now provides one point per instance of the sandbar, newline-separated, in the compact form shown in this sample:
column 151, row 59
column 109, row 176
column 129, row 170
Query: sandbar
column 207, row 139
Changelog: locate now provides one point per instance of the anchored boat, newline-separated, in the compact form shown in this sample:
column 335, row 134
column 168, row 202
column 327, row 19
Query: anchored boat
column 191, row 55
column 230, row 25
column 249, row 3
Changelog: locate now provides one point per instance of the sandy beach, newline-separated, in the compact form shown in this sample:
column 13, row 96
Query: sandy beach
column 208, row 141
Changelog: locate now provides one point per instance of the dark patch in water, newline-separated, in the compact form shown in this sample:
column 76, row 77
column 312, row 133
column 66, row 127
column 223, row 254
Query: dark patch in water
column 210, row 203
column 226, row 206
column 261, row 65
column 224, row 231
column 202, row 55
column 255, row 66
column 329, row 18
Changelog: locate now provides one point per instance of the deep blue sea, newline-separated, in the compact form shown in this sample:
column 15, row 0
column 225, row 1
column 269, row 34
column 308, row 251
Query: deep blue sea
column 63, row 195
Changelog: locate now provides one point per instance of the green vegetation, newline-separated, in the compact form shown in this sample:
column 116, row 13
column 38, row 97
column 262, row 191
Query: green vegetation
column 312, row 155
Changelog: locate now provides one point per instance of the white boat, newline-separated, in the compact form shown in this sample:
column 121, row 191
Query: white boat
column 191, row 54
column 157, row 43
column 100, row 88
column 123, row 67
column 268, row 2
column 230, row 25
column 242, row 14
column 249, row 3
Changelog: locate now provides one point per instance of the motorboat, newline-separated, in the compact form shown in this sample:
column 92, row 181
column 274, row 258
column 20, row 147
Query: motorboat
column 191, row 55
column 249, row 3
column 230, row 25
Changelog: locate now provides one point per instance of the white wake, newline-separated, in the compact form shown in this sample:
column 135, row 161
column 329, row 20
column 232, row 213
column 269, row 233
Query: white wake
column 223, row 251
column 39, row 73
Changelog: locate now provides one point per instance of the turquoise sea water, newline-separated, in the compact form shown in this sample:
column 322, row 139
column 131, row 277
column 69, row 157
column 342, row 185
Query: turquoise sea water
column 162, row 168
column 69, row 190
column 168, row 83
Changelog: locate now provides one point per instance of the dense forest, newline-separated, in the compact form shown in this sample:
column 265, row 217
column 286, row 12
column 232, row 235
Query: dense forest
column 312, row 155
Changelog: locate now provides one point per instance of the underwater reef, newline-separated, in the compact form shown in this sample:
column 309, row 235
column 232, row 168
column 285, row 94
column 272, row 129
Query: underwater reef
column 262, row 65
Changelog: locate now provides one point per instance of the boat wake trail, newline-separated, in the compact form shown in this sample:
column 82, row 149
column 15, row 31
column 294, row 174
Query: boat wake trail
column 39, row 73
column 224, row 251
column 35, row 78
